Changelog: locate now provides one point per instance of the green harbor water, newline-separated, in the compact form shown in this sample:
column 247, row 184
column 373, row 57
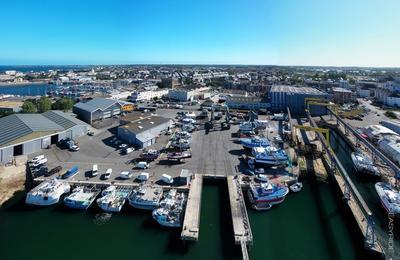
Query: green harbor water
column 309, row 225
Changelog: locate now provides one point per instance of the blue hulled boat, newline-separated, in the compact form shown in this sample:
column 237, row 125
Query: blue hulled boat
column 250, row 143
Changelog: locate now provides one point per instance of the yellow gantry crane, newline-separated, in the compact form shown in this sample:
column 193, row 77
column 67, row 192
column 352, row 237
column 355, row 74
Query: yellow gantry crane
column 319, row 102
column 315, row 129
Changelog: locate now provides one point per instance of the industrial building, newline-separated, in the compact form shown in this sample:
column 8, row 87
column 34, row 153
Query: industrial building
column 247, row 103
column 23, row 134
column 184, row 95
column 282, row 96
column 143, row 131
column 138, row 96
column 341, row 95
column 98, row 109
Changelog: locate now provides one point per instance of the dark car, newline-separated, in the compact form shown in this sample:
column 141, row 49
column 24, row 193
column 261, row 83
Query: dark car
column 53, row 171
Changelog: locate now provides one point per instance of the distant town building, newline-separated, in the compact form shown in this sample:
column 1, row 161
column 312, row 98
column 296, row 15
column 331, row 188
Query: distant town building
column 138, row 95
column 247, row 103
column 283, row 96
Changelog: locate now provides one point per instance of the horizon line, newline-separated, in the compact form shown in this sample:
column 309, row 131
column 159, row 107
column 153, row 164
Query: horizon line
column 201, row 64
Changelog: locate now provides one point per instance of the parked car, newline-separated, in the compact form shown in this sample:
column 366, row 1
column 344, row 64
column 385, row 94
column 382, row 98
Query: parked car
column 142, row 165
column 95, row 170
column 37, row 158
column 39, row 162
column 144, row 176
column 167, row 179
column 125, row 175
column 107, row 174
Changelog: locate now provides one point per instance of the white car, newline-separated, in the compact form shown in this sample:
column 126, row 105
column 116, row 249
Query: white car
column 144, row 176
column 167, row 179
column 125, row 175
column 37, row 158
column 39, row 162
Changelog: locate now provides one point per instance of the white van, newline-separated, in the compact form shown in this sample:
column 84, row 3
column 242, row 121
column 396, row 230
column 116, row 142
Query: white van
column 167, row 179
column 144, row 176
column 142, row 165
column 94, row 170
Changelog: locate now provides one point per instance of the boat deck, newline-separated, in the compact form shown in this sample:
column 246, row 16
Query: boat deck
column 191, row 223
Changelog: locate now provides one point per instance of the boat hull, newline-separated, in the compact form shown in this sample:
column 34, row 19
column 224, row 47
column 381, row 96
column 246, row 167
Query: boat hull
column 143, row 206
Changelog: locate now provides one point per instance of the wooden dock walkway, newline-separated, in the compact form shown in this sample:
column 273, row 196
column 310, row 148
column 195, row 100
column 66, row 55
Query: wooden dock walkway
column 191, row 223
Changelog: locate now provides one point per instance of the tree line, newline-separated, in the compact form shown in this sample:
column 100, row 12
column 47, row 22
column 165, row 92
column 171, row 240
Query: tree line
column 44, row 104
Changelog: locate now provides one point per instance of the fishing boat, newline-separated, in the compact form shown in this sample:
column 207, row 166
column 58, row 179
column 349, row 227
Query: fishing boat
column 250, row 143
column 182, row 144
column 363, row 164
column 269, row 155
column 168, row 217
column 47, row 193
column 113, row 199
column 390, row 198
column 170, row 213
column 246, row 127
column 178, row 155
column 145, row 197
column 265, row 194
column 173, row 199
column 81, row 198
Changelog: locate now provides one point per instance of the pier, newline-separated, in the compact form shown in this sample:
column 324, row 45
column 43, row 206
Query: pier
column 191, row 223
column 240, row 220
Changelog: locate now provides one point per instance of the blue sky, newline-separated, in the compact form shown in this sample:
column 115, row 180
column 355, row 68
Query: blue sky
column 296, row 32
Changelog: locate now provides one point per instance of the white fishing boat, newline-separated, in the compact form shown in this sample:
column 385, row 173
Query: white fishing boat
column 363, row 164
column 113, row 199
column 168, row 217
column 145, row 197
column 47, row 193
column 390, row 197
column 173, row 199
column 81, row 198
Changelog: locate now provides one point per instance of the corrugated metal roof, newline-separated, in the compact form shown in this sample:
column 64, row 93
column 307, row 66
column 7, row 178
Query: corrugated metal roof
column 11, row 128
column 85, row 107
column 39, row 123
column 60, row 118
column 96, row 103
column 23, row 127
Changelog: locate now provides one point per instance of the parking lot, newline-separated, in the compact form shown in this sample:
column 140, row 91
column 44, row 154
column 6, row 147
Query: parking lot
column 213, row 153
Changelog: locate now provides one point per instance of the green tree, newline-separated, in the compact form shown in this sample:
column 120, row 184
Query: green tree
column 28, row 107
column 63, row 103
column 44, row 104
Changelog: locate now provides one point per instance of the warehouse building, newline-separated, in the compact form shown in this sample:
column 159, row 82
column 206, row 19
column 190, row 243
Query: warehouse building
column 23, row 134
column 341, row 95
column 98, row 109
column 282, row 96
column 143, row 132
column 247, row 103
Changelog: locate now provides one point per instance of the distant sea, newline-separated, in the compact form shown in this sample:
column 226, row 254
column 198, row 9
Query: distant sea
column 37, row 68
column 27, row 89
